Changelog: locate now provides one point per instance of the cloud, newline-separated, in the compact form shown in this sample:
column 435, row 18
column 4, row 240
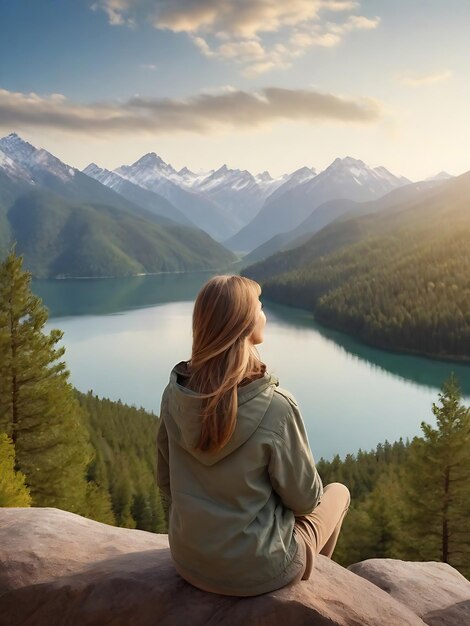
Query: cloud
column 241, row 26
column 417, row 80
column 116, row 11
column 148, row 66
column 207, row 112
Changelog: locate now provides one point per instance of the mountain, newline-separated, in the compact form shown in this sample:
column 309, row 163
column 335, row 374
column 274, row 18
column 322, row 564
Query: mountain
column 238, row 193
column 152, row 173
column 333, row 210
column 48, row 172
column 300, row 176
column 61, row 238
column 14, row 170
column 346, row 178
column 320, row 217
column 396, row 278
column 440, row 176
column 139, row 195
column 68, row 224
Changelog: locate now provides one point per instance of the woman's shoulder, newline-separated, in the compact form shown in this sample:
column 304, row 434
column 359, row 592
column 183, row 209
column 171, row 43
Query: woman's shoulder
column 282, row 409
column 285, row 397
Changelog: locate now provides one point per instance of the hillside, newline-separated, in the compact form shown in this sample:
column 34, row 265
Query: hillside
column 288, row 207
column 396, row 279
column 333, row 210
column 138, row 195
column 61, row 238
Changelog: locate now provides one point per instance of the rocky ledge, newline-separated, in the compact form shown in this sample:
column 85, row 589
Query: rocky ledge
column 58, row 568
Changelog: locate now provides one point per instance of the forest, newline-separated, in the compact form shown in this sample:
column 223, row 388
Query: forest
column 97, row 458
column 59, row 447
column 397, row 280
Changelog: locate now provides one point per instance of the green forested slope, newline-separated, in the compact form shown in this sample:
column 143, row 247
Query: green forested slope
column 411, row 501
column 61, row 238
column 400, row 280
column 124, row 467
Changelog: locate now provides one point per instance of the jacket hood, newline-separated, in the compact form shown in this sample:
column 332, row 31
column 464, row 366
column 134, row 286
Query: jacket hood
column 183, row 409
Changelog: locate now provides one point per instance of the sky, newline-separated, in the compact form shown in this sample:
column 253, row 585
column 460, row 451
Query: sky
column 254, row 84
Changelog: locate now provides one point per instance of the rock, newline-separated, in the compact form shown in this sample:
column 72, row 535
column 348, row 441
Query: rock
column 38, row 544
column 438, row 593
column 58, row 568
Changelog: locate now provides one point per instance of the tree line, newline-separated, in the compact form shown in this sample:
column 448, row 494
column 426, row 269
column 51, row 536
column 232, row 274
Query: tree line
column 398, row 292
column 411, row 500
column 58, row 447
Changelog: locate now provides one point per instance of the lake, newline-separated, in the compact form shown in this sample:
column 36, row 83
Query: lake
column 124, row 335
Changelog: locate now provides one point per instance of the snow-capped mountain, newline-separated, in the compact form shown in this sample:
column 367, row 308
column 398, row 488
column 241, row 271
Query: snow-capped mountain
column 143, row 197
column 298, row 177
column 14, row 170
column 47, row 172
column 152, row 173
column 36, row 161
column 354, row 175
column 237, row 192
column 232, row 205
column 345, row 178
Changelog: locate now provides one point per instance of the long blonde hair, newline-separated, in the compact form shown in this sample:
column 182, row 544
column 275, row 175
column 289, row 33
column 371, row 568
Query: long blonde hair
column 225, row 314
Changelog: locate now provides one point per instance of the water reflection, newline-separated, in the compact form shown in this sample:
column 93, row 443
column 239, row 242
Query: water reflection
column 423, row 371
column 101, row 296
column 124, row 335
column 71, row 297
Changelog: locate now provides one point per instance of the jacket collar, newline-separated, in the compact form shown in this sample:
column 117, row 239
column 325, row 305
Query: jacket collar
column 183, row 413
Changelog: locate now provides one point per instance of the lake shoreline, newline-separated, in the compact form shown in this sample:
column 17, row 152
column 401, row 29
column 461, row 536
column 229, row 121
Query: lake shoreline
column 458, row 360
column 170, row 272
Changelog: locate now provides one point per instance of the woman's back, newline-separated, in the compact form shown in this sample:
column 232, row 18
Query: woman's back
column 232, row 510
column 234, row 461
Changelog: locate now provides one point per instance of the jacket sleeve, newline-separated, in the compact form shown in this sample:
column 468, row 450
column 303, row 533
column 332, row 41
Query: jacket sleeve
column 292, row 469
column 163, row 466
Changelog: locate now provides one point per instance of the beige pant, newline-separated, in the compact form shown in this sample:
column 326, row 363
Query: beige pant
column 317, row 532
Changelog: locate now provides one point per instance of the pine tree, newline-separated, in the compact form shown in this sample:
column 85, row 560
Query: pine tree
column 13, row 490
column 437, row 484
column 38, row 409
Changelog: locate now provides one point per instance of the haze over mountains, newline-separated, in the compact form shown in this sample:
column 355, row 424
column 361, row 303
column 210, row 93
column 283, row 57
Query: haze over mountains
column 396, row 276
column 346, row 178
column 66, row 223
column 247, row 213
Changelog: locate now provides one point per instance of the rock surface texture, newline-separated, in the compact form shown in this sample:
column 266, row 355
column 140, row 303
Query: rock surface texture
column 58, row 568
column 436, row 592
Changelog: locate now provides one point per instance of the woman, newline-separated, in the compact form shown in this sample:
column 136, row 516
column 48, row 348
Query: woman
column 247, row 509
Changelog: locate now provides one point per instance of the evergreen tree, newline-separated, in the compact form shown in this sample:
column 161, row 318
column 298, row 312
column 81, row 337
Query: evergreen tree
column 141, row 511
column 159, row 524
column 38, row 408
column 99, row 505
column 13, row 490
column 121, row 495
column 437, row 487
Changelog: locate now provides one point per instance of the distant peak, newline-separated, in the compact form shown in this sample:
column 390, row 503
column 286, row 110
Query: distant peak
column 305, row 170
column 151, row 158
column 221, row 170
column 185, row 171
column 348, row 160
column 93, row 169
column 14, row 138
column 443, row 175
column 346, row 163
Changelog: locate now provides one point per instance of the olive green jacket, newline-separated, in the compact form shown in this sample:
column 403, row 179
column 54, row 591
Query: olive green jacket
column 232, row 512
